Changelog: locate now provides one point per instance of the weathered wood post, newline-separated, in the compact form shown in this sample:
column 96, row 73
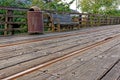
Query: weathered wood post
column 80, row 20
column 8, row 19
column 88, row 20
column 6, row 25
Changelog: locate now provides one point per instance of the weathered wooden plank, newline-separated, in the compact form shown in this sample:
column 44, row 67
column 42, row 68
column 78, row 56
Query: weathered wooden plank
column 21, row 48
column 23, row 66
column 113, row 74
column 32, row 63
column 8, row 22
column 39, row 75
column 14, row 8
column 93, row 69
column 62, row 68
column 37, row 54
column 103, row 28
column 56, row 42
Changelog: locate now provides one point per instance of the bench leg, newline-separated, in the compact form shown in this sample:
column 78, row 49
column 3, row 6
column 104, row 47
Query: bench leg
column 53, row 28
column 58, row 27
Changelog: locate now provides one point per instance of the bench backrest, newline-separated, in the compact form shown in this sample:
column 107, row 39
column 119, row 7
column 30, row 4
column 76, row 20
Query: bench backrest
column 62, row 18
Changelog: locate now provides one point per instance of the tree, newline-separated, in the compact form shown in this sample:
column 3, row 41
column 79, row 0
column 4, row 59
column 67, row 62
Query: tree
column 14, row 3
column 56, row 5
column 98, row 6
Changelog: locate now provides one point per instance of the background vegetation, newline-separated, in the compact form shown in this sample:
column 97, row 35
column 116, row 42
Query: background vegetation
column 108, row 7
column 56, row 5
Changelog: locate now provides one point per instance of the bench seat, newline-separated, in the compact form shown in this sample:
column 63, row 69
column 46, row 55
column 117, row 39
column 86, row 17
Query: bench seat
column 65, row 20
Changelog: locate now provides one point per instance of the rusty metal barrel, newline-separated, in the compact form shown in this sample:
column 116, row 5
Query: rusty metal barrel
column 35, row 20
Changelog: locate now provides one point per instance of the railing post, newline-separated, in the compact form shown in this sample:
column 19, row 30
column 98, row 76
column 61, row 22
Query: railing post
column 6, row 25
column 88, row 20
column 8, row 19
column 119, row 20
column 105, row 20
column 108, row 20
column 100, row 20
column 80, row 20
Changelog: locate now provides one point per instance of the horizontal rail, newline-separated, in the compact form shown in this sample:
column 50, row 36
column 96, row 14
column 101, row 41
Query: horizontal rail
column 13, row 8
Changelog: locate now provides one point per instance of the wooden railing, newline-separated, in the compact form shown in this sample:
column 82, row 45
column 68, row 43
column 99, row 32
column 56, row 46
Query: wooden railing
column 14, row 20
column 85, row 20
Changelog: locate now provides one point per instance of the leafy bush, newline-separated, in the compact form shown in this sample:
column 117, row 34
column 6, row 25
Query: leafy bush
column 56, row 5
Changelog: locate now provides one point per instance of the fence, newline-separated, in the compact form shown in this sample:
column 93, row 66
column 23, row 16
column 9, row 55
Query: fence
column 14, row 20
column 84, row 19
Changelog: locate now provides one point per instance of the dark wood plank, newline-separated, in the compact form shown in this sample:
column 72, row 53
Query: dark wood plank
column 113, row 74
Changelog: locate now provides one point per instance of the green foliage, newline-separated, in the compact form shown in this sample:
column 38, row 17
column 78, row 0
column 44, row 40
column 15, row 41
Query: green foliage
column 99, row 6
column 7, row 2
column 13, row 3
column 56, row 5
column 113, row 12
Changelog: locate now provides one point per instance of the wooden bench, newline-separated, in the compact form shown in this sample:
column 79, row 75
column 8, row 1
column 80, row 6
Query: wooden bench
column 63, row 22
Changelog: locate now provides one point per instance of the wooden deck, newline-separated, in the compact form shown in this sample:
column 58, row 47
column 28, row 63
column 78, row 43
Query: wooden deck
column 97, row 56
